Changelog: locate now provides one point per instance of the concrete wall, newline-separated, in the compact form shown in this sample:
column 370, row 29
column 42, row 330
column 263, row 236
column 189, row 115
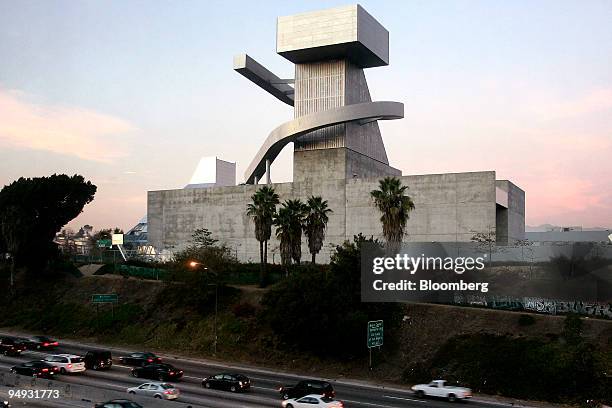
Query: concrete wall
column 449, row 207
column 512, row 221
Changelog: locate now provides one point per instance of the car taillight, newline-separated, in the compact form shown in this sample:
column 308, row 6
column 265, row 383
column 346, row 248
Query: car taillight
column 55, row 369
column 150, row 360
column 45, row 344
column 69, row 365
column 44, row 370
column 55, row 343
column 167, row 392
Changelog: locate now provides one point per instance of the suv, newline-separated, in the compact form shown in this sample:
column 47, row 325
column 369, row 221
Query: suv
column 11, row 346
column 307, row 387
column 67, row 363
column 98, row 359
column 118, row 403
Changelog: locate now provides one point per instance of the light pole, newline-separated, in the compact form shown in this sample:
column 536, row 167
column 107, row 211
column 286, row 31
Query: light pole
column 195, row 264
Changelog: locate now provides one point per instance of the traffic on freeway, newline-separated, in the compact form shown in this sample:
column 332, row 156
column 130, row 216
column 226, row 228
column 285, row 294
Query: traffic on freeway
column 194, row 383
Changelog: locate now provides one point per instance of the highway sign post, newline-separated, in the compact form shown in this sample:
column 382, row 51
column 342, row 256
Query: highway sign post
column 100, row 298
column 375, row 336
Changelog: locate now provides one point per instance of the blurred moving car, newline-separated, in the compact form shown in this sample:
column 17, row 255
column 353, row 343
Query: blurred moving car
column 35, row 369
column 140, row 359
column 11, row 346
column 161, row 372
column 309, row 400
column 228, row 382
column 440, row 389
column 40, row 343
column 307, row 387
column 67, row 363
column 118, row 403
column 158, row 390
column 98, row 359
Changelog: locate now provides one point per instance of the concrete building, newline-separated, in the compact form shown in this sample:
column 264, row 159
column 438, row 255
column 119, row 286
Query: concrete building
column 213, row 172
column 339, row 153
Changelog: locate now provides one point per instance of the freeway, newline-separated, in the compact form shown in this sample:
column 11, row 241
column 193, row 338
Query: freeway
column 263, row 393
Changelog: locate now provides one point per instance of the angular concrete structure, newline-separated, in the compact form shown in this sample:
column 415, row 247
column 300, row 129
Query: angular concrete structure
column 339, row 152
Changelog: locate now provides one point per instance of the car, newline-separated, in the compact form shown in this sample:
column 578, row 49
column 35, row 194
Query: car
column 307, row 387
column 40, row 343
column 98, row 359
column 228, row 382
column 35, row 369
column 161, row 372
column 11, row 346
column 67, row 363
column 140, row 359
column 308, row 401
column 440, row 389
column 160, row 390
column 118, row 403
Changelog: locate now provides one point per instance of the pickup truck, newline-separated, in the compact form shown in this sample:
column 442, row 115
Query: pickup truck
column 439, row 388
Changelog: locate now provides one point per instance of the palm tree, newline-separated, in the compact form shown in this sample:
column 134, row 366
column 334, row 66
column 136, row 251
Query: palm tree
column 262, row 210
column 289, row 223
column 315, row 223
column 395, row 206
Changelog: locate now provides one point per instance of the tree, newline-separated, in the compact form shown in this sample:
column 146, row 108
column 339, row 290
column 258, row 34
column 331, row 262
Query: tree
column 262, row 209
column 34, row 210
column 202, row 238
column 315, row 223
column 395, row 206
column 289, row 222
column 485, row 241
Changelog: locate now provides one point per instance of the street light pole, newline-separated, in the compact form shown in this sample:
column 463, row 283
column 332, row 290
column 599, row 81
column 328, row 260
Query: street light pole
column 216, row 310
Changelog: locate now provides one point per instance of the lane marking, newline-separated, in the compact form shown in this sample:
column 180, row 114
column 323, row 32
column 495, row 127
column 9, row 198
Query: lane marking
column 403, row 398
column 370, row 403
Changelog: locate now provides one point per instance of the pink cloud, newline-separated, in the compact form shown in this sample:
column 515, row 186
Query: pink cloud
column 71, row 131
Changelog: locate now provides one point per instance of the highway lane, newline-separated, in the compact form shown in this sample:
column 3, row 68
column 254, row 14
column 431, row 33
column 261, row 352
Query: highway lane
column 263, row 394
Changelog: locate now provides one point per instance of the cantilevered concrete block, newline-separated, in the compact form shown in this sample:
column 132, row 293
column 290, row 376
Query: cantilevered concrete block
column 341, row 32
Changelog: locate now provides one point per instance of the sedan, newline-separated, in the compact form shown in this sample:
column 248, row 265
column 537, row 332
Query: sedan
column 156, row 390
column 309, row 400
column 228, row 382
column 118, row 403
column 140, row 359
column 40, row 343
column 35, row 369
column 11, row 346
column 161, row 372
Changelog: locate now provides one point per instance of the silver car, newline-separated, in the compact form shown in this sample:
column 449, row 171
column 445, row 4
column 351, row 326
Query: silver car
column 159, row 390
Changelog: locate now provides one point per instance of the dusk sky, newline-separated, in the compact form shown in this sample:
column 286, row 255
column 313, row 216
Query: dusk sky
column 131, row 94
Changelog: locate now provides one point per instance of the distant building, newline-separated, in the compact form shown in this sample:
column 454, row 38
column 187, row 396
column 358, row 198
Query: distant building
column 213, row 172
column 555, row 234
column 137, row 236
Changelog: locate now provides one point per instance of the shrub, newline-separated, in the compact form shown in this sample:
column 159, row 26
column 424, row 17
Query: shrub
column 526, row 320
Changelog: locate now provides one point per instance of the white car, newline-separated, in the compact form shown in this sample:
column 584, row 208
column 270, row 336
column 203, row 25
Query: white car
column 67, row 363
column 309, row 400
column 439, row 388
column 159, row 390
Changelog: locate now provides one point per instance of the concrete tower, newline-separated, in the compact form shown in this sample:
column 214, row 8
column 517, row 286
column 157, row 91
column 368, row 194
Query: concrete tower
column 335, row 130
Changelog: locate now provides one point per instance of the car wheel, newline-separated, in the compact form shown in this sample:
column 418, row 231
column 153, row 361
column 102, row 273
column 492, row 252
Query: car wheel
column 289, row 406
column 135, row 374
column 452, row 398
column 161, row 377
column 233, row 388
column 286, row 397
column 207, row 385
column 420, row 394
column 13, row 371
column 62, row 370
column 37, row 347
column 158, row 396
column 95, row 367
column 6, row 352
column 132, row 392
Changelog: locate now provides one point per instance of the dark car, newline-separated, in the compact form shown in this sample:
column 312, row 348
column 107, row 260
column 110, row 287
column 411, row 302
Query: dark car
column 307, row 387
column 161, row 372
column 98, row 359
column 228, row 382
column 40, row 343
column 118, row 403
column 35, row 369
column 140, row 359
column 11, row 346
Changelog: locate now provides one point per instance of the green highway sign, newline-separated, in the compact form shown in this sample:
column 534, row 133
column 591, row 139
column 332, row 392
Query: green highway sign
column 375, row 333
column 105, row 298
column 104, row 243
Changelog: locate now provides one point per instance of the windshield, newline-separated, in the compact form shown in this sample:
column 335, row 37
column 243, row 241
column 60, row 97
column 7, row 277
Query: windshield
column 167, row 386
